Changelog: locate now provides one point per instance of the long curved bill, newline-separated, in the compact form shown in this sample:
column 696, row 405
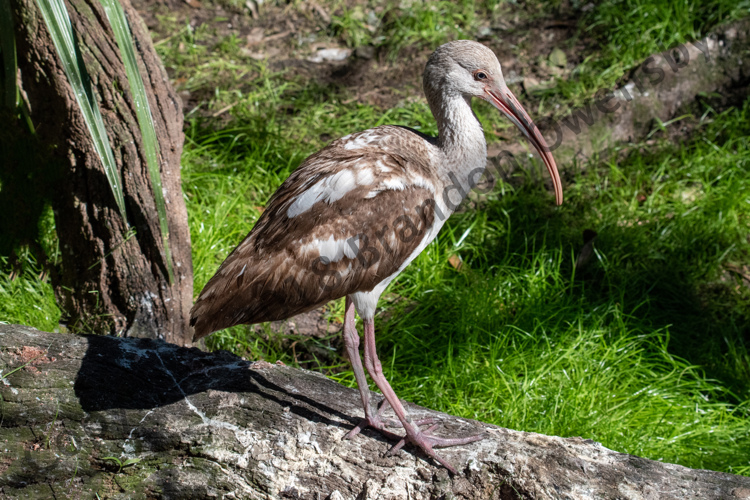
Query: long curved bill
column 504, row 100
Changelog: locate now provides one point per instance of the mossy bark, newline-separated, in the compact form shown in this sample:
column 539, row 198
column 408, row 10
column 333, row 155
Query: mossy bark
column 111, row 280
column 190, row 424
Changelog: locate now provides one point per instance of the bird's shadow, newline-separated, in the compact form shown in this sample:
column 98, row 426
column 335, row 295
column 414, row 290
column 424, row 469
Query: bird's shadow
column 146, row 374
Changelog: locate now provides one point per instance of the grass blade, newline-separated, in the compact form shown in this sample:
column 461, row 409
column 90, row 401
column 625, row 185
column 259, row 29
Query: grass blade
column 119, row 23
column 8, row 49
column 58, row 23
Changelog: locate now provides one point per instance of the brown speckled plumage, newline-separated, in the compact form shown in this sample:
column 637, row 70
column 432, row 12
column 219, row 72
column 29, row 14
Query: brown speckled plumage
column 274, row 273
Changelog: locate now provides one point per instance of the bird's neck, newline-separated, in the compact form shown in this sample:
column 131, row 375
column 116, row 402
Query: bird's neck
column 460, row 135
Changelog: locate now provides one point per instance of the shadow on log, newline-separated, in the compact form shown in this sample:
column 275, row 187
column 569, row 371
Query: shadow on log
column 140, row 418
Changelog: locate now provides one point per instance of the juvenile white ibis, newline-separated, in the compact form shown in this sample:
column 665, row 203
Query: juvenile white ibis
column 356, row 213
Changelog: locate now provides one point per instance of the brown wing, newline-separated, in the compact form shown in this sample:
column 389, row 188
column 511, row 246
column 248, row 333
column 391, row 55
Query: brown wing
column 342, row 222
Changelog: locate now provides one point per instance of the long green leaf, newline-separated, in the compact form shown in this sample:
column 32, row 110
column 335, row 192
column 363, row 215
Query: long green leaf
column 58, row 23
column 8, row 49
column 124, row 38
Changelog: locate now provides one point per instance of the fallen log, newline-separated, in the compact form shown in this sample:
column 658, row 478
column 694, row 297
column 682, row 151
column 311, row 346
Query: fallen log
column 139, row 418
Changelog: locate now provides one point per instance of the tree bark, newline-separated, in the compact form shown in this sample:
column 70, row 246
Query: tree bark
column 212, row 425
column 109, row 282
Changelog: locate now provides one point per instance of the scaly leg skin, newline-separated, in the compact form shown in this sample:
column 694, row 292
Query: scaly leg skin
column 372, row 419
column 422, row 439
column 351, row 340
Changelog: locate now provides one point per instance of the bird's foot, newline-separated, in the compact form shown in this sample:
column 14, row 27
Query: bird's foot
column 422, row 439
column 426, row 442
column 379, row 423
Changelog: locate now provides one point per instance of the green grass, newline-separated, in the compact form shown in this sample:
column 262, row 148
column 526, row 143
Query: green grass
column 28, row 298
column 645, row 350
column 414, row 24
column 26, row 295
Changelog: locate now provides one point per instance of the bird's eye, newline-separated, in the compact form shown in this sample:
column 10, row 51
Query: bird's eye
column 480, row 75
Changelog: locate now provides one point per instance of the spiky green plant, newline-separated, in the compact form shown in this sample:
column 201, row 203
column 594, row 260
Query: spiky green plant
column 119, row 23
column 58, row 24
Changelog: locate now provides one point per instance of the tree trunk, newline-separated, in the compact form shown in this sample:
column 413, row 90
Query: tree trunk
column 109, row 282
column 189, row 424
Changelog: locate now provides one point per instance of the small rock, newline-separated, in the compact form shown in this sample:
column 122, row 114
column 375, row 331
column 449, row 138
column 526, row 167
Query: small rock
column 512, row 77
column 255, row 36
column 530, row 82
column 372, row 21
column 424, row 474
column 185, row 96
column 330, row 55
column 690, row 194
column 260, row 55
column 484, row 32
column 558, row 58
column 455, row 261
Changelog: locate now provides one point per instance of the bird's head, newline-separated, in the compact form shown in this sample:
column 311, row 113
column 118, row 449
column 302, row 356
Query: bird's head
column 469, row 69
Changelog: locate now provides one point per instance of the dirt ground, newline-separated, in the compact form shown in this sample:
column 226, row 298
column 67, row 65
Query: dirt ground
column 290, row 35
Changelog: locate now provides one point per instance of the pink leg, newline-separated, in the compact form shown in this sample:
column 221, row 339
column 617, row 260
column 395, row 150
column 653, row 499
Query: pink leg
column 372, row 418
column 414, row 435
column 351, row 340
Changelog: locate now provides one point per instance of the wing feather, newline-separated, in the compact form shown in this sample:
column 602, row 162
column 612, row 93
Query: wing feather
column 351, row 237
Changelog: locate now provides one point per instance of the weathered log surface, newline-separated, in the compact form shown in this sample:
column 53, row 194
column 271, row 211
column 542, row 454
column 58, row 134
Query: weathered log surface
column 211, row 425
column 111, row 280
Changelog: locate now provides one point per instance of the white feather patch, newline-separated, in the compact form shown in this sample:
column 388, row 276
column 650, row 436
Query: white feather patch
column 340, row 184
column 365, row 176
column 332, row 249
column 394, row 184
column 381, row 167
column 420, row 181
column 330, row 189
column 400, row 183
column 351, row 249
